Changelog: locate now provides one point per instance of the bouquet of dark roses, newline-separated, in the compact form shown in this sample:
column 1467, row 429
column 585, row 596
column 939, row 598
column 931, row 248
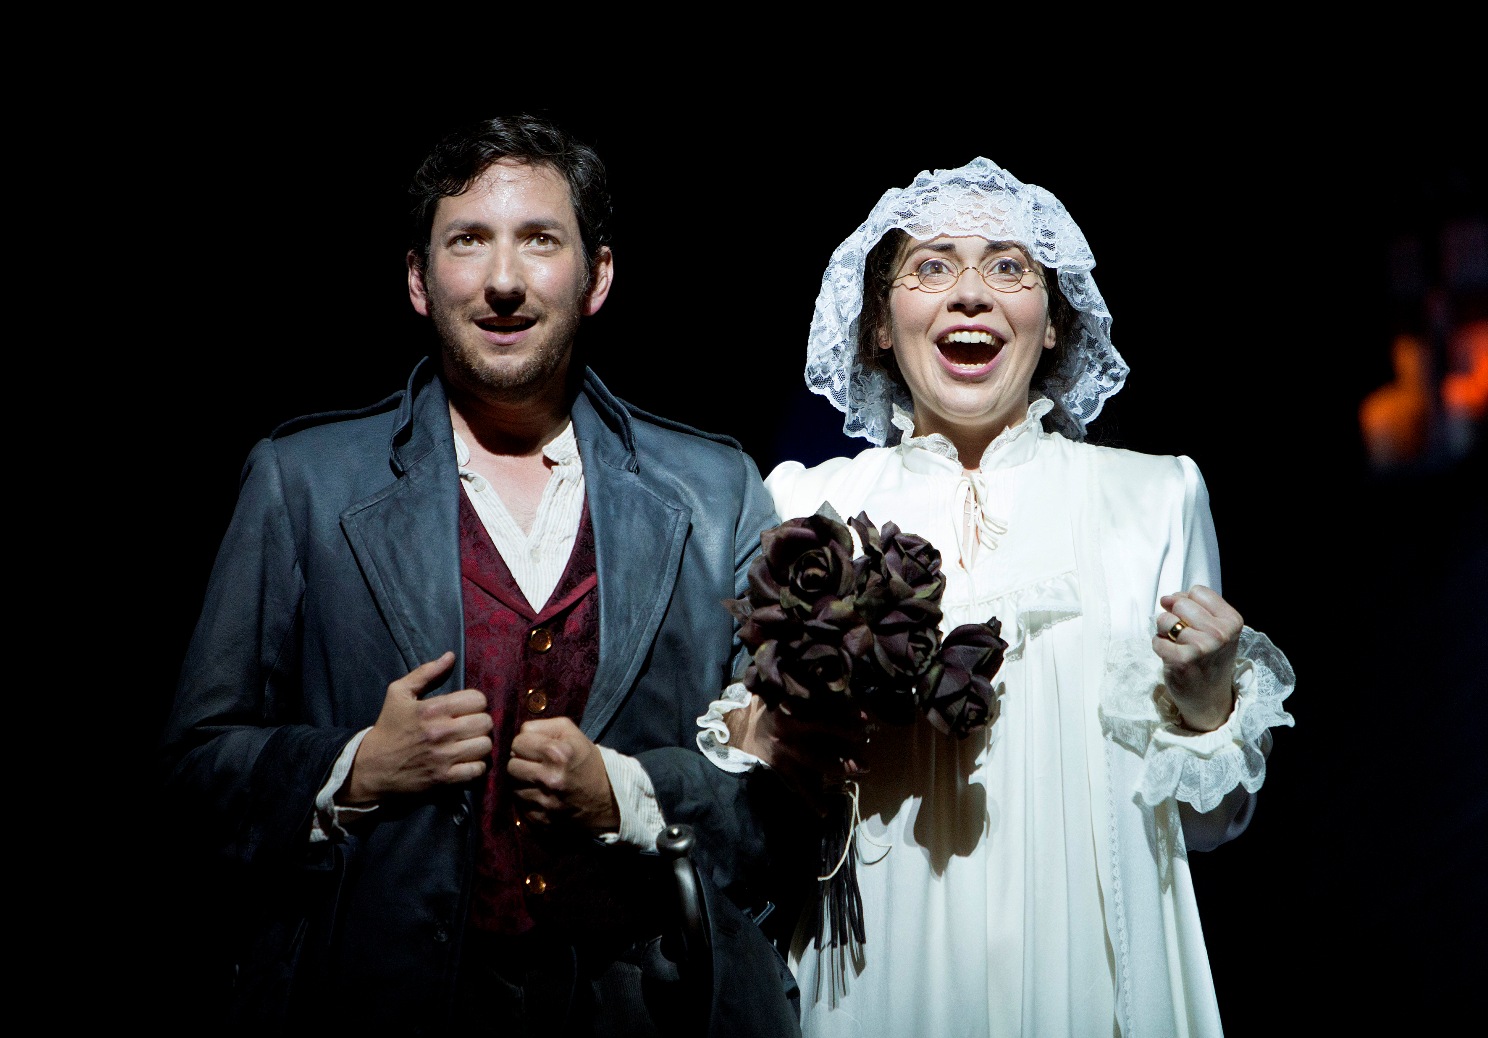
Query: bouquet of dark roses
column 836, row 635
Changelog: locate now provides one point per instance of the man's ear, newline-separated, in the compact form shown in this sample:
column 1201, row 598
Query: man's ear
column 601, row 276
column 417, row 294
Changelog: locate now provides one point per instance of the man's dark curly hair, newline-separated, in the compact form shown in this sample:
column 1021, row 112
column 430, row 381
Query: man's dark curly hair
column 460, row 158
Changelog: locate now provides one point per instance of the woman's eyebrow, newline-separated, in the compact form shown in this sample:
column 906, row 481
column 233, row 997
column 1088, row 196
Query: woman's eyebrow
column 949, row 245
column 1004, row 246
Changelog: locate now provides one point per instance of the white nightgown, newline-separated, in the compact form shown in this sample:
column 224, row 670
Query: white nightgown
column 1033, row 879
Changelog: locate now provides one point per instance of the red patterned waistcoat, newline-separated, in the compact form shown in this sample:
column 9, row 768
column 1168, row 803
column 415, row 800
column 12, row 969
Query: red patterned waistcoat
column 530, row 663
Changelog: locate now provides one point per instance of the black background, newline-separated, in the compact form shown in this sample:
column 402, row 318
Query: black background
column 1244, row 248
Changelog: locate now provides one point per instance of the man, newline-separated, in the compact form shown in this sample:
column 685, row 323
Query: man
column 442, row 695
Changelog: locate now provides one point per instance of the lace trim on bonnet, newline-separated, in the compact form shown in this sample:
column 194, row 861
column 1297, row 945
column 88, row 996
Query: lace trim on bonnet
column 983, row 199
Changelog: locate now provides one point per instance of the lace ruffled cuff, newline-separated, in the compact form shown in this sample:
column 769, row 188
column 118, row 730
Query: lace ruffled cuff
column 713, row 734
column 1197, row 768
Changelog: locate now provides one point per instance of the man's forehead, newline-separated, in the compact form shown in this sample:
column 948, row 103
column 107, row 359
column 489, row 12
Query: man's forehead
column 535, row 191
column 516, row 169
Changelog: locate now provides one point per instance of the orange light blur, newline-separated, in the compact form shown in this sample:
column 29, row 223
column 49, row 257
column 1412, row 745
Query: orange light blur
column 1394, row 417
column 1465, row 392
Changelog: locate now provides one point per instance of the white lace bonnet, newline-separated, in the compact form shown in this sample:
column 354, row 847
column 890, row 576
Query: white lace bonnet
column 980, row 198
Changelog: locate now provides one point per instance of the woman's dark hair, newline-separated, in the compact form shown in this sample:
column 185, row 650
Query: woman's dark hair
column 873, row 321
column 459, row 159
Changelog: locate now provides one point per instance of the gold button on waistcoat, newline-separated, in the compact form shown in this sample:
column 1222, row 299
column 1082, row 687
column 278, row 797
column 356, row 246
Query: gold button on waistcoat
column 535, row 883
column 536, row 700
column 539, row 639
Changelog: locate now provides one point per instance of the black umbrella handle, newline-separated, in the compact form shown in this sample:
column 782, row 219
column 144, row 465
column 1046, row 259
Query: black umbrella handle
column 695, row 955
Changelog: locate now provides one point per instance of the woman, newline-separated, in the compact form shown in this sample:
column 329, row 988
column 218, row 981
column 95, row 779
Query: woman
column 1031, row 879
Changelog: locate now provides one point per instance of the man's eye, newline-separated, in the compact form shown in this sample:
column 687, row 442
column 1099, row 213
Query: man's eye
column 465, row 240
column 544, row 240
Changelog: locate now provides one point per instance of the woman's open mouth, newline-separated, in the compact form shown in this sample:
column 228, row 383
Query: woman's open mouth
column 967, row 348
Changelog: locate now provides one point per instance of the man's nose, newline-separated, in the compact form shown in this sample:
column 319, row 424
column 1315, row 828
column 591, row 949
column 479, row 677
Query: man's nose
column 505, row 277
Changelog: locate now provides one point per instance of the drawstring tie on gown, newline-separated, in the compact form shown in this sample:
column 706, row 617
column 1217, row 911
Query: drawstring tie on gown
column 977, row 527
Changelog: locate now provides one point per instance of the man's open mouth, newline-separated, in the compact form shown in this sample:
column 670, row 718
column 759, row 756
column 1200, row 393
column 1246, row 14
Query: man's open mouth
column 506, row 324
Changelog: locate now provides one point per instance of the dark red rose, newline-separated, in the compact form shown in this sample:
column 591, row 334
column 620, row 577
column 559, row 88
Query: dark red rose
column 801, row 562
column 899, row 590
column 804, row 565
column 813, row 670
column 957, row 688
column 906, row 562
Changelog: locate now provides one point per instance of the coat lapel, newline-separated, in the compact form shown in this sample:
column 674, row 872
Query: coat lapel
column 638, row 540
column 406, row 538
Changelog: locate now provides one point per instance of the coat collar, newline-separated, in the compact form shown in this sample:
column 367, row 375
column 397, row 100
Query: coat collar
column 422, row 424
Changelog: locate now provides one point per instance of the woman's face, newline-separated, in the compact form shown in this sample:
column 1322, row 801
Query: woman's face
column 967, row 353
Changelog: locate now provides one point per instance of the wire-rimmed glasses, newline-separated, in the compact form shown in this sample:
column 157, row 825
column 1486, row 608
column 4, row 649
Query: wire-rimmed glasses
column 939, row 273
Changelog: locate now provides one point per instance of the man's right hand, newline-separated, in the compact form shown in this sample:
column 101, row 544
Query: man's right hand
column 416, row 743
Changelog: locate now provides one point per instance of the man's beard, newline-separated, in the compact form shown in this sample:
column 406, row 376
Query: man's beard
column 512, row 378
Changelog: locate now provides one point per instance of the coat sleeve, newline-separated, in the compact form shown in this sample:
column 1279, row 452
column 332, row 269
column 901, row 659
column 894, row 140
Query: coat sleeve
column 236, row 762
column 756, row 840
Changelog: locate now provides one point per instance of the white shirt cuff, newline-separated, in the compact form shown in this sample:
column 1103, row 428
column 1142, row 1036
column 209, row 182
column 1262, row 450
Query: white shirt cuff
column 329, row 816
column 640, row 816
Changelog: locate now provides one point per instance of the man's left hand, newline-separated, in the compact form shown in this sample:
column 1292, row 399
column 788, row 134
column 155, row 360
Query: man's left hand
column 561, row 776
